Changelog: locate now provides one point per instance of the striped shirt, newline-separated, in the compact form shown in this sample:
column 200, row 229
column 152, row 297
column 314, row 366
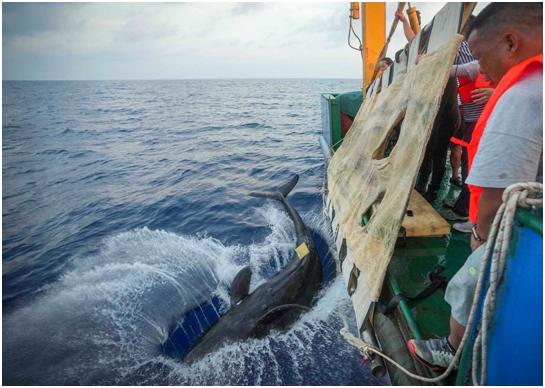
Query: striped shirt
column 470, row 111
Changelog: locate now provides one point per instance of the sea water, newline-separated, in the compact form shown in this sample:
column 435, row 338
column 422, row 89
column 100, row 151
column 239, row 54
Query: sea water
column 126, row 217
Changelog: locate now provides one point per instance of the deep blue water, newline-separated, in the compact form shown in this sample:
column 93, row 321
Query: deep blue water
column 126, row 216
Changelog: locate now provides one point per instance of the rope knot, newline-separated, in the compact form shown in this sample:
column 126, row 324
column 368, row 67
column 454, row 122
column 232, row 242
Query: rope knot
column 528, row 194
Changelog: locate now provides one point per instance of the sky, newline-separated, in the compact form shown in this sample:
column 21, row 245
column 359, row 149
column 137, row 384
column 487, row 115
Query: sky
column 63, row 41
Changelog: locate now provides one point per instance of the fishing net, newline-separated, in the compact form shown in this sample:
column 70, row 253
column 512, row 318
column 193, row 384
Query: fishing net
column 370, row 187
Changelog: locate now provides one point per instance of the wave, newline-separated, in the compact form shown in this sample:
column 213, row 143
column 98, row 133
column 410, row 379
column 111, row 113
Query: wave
column 309, row 353
column 110, row 314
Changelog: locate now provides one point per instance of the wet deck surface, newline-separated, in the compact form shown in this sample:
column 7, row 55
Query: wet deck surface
column 410, row 267
column 417, row 257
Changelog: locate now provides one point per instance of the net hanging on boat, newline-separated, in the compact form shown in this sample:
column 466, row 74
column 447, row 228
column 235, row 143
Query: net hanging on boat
column 368, row 191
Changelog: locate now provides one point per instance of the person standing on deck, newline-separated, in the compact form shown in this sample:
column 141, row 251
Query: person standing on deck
column 470, row 112
column 507, row 40
column 447, row 122
column 473, row 96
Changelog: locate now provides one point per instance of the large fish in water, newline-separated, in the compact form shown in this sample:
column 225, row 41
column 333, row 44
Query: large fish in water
column 278, row 302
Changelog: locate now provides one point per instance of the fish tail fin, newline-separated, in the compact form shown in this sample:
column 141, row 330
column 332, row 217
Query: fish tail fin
column 281, row 192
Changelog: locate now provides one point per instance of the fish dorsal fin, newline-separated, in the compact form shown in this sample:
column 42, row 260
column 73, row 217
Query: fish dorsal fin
column 241, row 285
column 276, row 312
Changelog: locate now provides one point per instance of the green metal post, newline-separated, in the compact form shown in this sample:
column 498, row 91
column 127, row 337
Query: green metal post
column 335, row 122
column 405, row 309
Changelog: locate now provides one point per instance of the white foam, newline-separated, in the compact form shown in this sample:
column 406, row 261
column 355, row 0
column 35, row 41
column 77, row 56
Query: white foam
column 114, row 309
column 268, row 360
column 104, row 321
column 272, row 254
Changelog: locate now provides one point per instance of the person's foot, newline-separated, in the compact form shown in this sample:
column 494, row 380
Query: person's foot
column 457, row 181
column 435, row 353
column 449, row 203
column 463, row 227
column 451, row 215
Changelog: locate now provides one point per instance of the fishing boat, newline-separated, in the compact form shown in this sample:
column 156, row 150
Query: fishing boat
column 395, row 251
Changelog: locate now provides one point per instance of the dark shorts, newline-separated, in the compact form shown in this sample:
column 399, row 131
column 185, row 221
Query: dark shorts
column 465, row 131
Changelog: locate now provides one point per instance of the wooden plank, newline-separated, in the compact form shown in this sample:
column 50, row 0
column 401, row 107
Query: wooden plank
column 425, row 220
column 386, row 78
column 468, row 10
column 413, row 51
column 445, row 24
column 400, row 68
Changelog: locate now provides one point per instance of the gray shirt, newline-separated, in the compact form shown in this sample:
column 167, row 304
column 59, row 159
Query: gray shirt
column 511, row 148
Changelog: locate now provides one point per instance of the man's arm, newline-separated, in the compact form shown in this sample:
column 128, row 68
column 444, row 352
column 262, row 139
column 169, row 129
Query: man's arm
column 489, row 203
column 409, row 33
column 470, row 69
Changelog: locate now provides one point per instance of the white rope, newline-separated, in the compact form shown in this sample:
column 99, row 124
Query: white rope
column 520, row 195
column 497, row 244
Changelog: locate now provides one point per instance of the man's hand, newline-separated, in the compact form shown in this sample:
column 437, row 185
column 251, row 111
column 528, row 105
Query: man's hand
column 482, row 95
column 401, row 17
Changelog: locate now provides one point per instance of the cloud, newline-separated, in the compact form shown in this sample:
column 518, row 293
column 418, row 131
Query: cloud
column 247, row 8
column 33, row 18
column 189, row 40
column 142, row 28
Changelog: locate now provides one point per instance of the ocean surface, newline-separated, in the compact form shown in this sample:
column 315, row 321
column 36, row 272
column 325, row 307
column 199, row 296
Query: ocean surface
column 126, row 217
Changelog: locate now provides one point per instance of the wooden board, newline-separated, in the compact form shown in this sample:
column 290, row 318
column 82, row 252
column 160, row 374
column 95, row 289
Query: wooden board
column 368, row 192
column 425, row 220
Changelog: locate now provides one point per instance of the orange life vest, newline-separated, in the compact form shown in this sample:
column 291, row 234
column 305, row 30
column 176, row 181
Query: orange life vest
column 465, row 87
column 509, row 79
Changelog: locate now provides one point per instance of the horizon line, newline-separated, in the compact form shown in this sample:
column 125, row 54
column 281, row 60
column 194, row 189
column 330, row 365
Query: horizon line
column 178, row 79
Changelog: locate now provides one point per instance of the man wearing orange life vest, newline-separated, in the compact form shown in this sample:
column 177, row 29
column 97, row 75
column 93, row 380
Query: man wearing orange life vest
column 506, row 147
column 474, row 91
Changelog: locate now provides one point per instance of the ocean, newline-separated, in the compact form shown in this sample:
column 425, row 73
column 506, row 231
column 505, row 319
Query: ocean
column 126, row 217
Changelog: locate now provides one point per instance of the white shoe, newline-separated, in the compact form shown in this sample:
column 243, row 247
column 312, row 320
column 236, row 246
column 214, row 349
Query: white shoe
column 463, row 227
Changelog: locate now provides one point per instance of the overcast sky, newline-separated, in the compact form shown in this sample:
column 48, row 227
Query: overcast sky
column 183, row 40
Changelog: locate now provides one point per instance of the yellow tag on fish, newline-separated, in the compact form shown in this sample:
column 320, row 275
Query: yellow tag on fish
column 302, row 250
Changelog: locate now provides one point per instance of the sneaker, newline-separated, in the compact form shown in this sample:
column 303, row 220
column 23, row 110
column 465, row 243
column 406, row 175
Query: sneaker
column 435, row 353
column 463, row 227
column 457, row 181
column 451, row 215
column 449, row 203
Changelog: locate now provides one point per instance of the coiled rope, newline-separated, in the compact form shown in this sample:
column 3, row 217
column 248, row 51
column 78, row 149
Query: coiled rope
column 517, row 195
column 522, row 195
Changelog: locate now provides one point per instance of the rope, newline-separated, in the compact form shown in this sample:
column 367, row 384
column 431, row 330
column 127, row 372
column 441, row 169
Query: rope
column 498, row 244
column 351, row 30
column 336, row 144
column 515, row 195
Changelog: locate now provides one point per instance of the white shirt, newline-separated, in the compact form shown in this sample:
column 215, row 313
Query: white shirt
column 511, row 148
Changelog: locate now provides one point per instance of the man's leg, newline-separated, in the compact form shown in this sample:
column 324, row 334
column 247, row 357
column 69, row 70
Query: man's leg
column 461, row 206
column 456, row 333
column 439, row 157
column 455, row 162
column 437, row 353
column 425, row 170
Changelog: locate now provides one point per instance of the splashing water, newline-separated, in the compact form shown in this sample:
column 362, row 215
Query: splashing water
column 125, row 218
column 105, row 320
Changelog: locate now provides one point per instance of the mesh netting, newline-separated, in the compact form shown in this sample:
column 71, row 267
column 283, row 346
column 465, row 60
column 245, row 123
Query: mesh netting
column 370, row 191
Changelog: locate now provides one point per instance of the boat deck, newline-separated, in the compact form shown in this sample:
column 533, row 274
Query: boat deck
column 412, row 262
column 410, row 267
